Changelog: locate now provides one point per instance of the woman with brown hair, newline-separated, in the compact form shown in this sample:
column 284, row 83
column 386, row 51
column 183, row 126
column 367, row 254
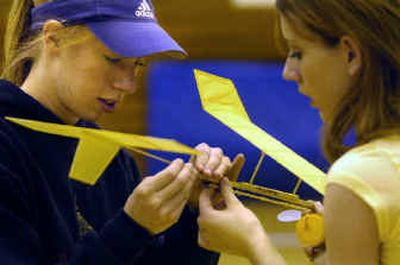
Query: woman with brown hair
column 70, row 62
column 344, row 55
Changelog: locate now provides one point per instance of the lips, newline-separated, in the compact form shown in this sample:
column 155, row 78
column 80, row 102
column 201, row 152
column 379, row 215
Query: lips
column 312, row 103
column 108, row 105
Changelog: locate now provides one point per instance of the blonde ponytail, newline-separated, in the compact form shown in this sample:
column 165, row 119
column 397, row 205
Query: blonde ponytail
column 16, row 34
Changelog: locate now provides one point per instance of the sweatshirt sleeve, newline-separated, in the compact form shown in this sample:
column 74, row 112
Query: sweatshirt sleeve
column 33, row 232
column 178, row 245
column 119, row 242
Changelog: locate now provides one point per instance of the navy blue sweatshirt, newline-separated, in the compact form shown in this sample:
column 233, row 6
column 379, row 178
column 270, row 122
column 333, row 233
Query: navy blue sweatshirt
column 38, row 202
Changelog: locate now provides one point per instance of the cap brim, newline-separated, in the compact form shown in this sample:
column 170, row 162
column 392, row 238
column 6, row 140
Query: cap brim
column 136, row 39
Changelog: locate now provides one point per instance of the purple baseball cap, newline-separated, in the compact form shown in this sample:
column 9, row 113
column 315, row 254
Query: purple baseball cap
column 127, row 27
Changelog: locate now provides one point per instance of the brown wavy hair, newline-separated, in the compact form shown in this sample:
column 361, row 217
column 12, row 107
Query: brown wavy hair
column 372, row 106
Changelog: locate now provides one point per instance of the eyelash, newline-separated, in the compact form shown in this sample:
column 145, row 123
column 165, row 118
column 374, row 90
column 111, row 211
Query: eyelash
column 118, row 60
column 141, row 64
column 295, row 55
column 112, row 60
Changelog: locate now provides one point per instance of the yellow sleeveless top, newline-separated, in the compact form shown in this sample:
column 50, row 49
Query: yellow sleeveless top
column 372, row 172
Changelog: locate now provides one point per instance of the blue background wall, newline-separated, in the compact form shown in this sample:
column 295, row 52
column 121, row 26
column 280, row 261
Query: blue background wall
column 272, row 103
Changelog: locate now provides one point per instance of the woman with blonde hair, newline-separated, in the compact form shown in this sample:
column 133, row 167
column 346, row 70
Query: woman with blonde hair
column 344, row 55
column 70, row 62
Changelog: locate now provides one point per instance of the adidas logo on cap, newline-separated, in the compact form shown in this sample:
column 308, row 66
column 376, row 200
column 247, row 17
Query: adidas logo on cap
column 144, row 10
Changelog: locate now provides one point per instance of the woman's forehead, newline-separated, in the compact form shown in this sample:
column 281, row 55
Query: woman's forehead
column 295, row 32
column 290, row 31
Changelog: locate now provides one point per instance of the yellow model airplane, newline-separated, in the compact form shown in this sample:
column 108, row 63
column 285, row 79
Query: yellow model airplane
column 97, row 148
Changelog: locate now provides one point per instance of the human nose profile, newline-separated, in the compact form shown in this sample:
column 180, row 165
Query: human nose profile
column 290, row 73
column 127, row 85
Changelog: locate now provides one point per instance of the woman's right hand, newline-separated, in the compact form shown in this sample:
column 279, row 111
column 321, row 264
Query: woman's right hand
column 234, row 229
column 158, row 201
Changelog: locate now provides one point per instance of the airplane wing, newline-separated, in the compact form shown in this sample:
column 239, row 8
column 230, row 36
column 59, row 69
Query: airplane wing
column 97, row 148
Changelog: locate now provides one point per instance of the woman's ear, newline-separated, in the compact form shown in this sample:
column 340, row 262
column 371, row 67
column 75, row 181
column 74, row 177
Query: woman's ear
column 353, row 55
column 51, row 30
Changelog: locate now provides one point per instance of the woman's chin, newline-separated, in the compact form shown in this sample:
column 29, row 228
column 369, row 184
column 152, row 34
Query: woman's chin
column 327, row 119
